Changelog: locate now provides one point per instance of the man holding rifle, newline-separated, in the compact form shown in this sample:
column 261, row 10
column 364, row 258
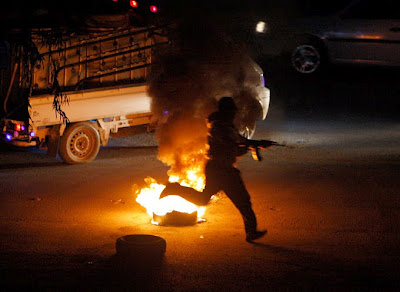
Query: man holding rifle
column 225, row 145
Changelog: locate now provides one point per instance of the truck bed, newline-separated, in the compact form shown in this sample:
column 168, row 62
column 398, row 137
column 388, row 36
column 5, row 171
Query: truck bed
column 91, row 104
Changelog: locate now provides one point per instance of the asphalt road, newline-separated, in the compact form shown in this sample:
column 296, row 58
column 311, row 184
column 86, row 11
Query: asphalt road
column 330, row 203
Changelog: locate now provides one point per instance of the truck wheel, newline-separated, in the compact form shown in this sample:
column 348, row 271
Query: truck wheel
column 80, row 143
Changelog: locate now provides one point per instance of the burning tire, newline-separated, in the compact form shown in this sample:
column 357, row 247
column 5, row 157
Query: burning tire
column 176, row 219
column 80, row 143
column 141, row 246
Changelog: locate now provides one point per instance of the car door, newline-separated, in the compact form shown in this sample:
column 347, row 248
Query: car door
column 368, row 31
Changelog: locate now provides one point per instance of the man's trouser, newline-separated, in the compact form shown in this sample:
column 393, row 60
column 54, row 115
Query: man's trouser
column 220, row 178
column 229, row 180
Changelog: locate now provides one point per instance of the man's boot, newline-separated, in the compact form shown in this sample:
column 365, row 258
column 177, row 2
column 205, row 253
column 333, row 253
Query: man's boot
column 255, row 235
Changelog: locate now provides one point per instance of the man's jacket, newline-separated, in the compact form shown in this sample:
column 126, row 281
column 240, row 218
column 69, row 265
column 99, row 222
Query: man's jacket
column 223, row 140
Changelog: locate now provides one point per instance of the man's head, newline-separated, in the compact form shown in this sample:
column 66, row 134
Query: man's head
column 228, row 108
column 227, row 104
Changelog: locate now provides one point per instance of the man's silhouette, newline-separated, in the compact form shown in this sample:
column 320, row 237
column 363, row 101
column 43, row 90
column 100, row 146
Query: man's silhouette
column 225, row 145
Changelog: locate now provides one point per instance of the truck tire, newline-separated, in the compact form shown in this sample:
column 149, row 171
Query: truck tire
column 80, row 143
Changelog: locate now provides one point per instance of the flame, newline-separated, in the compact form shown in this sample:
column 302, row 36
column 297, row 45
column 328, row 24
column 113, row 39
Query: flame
column 149, row 198
column 182, row 146
column 190, row 175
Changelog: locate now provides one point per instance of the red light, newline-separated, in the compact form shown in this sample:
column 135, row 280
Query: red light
column 133, row 3
column 153, row 8
column 17, row 127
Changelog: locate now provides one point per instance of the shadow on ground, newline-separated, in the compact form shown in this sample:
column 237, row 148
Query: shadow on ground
column 87, row 270
column 19, row 158
column 121, row 152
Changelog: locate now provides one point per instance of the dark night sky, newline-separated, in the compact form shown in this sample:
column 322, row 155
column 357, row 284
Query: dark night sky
column 172, row 7
column 237, row 14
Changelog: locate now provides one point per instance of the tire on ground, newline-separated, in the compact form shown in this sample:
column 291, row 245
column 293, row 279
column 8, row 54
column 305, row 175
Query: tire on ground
column 141, row 246
column 80, row 143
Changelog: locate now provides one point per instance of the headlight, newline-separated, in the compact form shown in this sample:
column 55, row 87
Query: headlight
column 262, row 80
column 261, row 27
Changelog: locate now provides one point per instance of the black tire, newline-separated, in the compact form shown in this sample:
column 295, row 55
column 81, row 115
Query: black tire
column 308, row 57
column 141, row 246
column 80, row 143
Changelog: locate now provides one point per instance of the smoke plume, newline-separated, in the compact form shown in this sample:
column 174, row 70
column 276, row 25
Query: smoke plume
column 201, row 65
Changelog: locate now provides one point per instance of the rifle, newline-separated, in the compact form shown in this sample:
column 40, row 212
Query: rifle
column 256, row 145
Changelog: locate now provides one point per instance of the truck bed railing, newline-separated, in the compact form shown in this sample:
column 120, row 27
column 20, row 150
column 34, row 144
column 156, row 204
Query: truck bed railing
column 102, row 57
column 99, row 60
column 81, row 82
column 110, row 36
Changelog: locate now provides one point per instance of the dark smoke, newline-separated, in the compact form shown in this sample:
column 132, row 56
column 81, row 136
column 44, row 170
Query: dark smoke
column 201, row 65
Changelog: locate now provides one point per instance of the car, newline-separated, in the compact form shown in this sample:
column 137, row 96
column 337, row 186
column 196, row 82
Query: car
column 364, row 32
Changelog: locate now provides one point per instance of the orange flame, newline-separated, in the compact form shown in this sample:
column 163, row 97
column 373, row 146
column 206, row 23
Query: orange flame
column 190, row 175
column 182, row 146
column 149, row 198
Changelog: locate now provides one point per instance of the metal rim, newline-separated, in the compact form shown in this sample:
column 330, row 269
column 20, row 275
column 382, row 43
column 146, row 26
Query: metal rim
column 306, row 59
column 81, row 144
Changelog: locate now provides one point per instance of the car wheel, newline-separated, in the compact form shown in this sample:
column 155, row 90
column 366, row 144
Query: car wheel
column 306, row 58
column 80, row 143
column 141, row 245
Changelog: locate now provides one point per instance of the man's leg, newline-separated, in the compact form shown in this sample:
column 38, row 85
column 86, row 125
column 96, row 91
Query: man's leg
column 235, row 189
column 187, row 193
column 213, row 186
